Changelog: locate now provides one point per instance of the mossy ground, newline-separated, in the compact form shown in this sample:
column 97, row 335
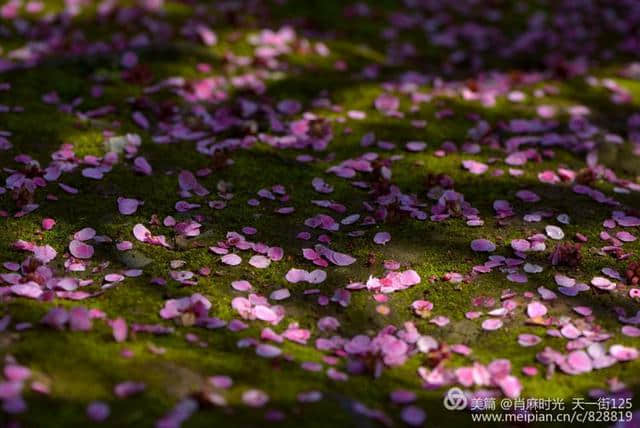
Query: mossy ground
column 81, row 367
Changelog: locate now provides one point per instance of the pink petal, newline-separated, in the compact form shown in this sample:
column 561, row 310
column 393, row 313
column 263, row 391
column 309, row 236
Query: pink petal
column 29, row 289
column 603, row 283
column 521, row 245
column 44, row 254
column 316, row 276
column 527, row 196
column 382, row 238
column 48, row 223
column 80, row 250
column 402, row 396
column 510, row 386
column 141, row 233
column 528, row 340
column 264, row 313
column 517, row 277
column 260, row 262
column 413, row 415
column 564, row 281
column 536, row 309
column 579, row 361
column 114, row 277
column 296, row 275
column 475, row 167
column 623, row 353
column 94, row 173
column 335, row 257
column 79, row 319
column 241, row 285
column 554, row 232
column 142, row 166
column 221, row 382
column 255, row 398
column 275, row 253
column 415, row 146
column 231, row 259
column 98, row 411
column 631, row 331
column 483, row 245
column 268, row 351
column 128, row 388
column 491, row 324
column 119, row 327
column 124, row 246
column 128, row 206
column 625, row 236
column 84, row 234
column 280, row 294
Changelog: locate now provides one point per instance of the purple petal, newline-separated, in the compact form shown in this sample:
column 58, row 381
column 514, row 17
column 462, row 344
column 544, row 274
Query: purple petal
column 80, row 250
column 536, row 309
column 98, row 411
column 382, row 238
column 231, row 259
column 119, row 327
column 483, row 245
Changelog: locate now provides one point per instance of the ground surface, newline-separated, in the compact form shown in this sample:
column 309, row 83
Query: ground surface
column 458, row 181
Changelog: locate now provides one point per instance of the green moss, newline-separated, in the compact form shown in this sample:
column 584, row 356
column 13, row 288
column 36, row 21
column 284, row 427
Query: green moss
column 81, row 367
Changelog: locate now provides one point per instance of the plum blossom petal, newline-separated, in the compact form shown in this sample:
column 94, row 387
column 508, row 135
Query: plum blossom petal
column 382, row 238
column 483, row 245
column 491, row 324
column 231, row 259
column 80, row 250
column 128, row 206
column 536, row 310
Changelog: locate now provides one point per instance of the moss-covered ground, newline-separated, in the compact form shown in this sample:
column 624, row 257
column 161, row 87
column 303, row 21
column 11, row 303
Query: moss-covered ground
column 82, row 367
